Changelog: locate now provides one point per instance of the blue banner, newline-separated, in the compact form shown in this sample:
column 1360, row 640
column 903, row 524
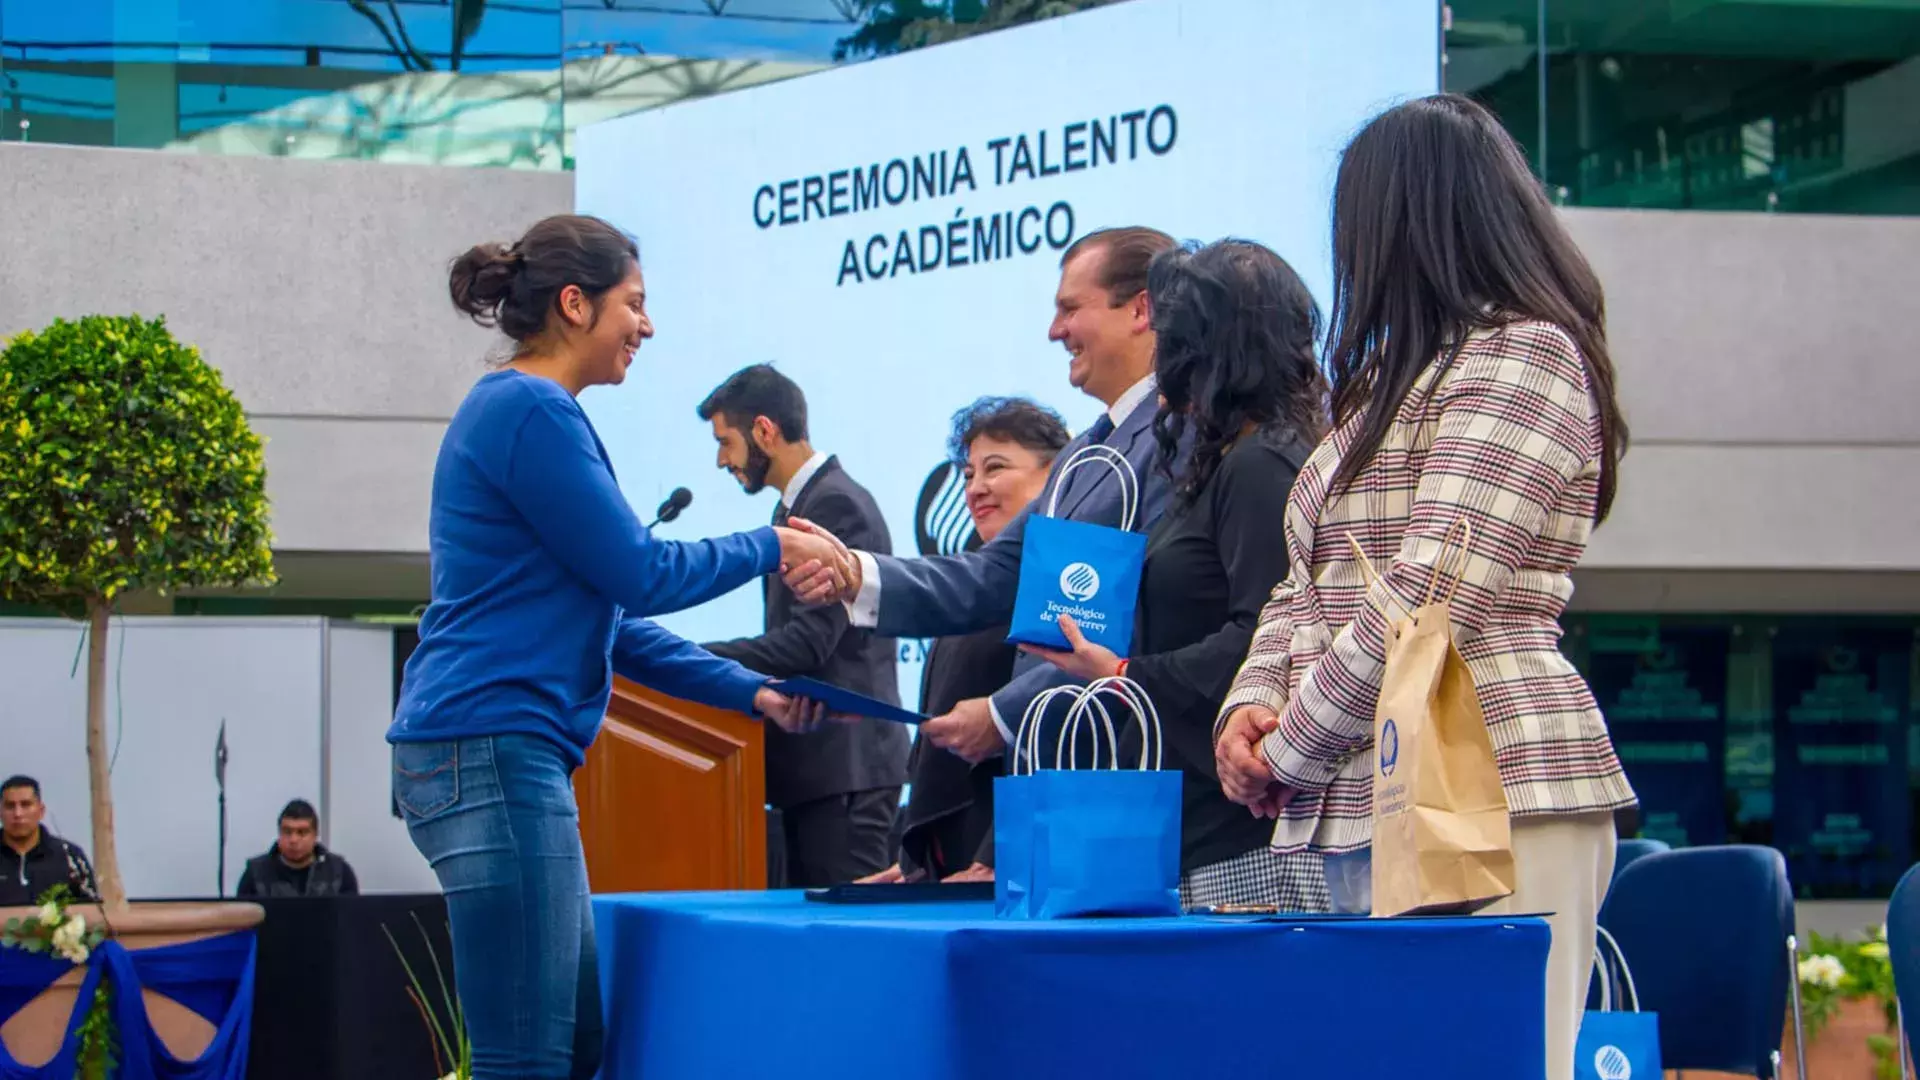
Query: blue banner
column 1841, row 797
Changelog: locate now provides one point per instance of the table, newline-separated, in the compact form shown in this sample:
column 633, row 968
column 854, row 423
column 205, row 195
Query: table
column 766, row 984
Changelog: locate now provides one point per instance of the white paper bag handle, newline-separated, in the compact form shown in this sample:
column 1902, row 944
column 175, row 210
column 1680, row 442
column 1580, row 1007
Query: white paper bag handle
column 1026, row 740
column 1113, row 459
column 1089, row 706
column 1607, row 958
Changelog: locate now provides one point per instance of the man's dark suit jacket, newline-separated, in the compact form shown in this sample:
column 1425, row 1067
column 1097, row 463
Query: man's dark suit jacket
column 949, row 814
column 818, row 642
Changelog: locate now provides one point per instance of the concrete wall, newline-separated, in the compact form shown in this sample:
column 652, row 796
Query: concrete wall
column 1769, row 369
column 318, row 289
column 1767, row 361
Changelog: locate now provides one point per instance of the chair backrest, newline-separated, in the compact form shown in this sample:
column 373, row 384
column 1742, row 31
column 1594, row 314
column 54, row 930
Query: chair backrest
column 1627, row 852
column 1705, row 931
column 1903, row 946
column 1624, row 855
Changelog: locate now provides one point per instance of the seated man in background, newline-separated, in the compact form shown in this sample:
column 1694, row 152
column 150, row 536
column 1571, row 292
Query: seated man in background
column 36, row 860
column 298, row 864
column 1005, row 447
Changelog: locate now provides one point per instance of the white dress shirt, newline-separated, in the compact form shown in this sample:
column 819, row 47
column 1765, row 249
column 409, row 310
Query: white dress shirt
column 800, row 477
column 864, row 609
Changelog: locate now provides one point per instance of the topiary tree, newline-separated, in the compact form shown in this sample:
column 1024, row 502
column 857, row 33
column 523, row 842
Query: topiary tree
column 125, row 464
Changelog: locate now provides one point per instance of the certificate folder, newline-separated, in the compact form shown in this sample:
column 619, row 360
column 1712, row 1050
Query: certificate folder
column 919, row 892
column 846, row 701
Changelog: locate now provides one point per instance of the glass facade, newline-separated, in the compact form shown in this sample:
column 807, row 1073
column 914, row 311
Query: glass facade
column 452, row 82
column 1794, row 105
column 1805, row 106
column 1799, row 732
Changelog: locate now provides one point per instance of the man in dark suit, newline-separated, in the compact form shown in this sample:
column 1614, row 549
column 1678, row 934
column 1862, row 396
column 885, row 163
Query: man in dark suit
column 1102, row 319
column 837, row 789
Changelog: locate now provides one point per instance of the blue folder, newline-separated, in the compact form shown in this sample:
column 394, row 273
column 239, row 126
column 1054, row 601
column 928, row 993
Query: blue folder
column 846, row 701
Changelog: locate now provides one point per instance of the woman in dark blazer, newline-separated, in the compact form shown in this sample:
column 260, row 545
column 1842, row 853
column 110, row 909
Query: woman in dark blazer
column 1005, row 447
column 1234, row 358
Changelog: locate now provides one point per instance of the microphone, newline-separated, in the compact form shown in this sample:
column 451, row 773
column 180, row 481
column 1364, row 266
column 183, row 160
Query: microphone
column 676, row 502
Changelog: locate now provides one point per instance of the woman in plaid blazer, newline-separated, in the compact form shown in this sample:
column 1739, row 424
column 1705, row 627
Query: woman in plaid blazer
column 1470, row 381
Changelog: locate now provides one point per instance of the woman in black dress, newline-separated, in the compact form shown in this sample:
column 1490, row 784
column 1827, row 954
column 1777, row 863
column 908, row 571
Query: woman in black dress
column 1234, row 357
column 1005, row 447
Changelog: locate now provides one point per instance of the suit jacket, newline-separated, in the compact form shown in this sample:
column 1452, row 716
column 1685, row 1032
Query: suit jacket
column 1505, row 438
column 949, row 816
column 958, row 594
column 818, row 642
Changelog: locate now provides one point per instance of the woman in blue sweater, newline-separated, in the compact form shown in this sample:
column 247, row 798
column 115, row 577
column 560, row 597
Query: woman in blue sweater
column 542, row 580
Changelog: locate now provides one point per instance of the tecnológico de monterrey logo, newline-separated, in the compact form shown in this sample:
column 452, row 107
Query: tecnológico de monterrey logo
column 941, row 525
column 1611, row 1063
column 1079, row 582
column 1389, row 749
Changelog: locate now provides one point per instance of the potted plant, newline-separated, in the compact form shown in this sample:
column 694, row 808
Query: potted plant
column 1849, row 1007
column 125, row 465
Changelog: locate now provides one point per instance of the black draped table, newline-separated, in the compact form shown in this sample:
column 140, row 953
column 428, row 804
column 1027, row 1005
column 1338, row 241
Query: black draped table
column 330, row 997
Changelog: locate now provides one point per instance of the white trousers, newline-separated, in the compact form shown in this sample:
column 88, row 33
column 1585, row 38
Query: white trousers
column 1563, row 866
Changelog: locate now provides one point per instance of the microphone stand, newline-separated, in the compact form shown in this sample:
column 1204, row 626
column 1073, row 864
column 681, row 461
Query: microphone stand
column 220, row 779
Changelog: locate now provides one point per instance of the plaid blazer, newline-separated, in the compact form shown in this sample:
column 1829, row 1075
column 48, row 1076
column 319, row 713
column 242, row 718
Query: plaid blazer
column 1506, row 435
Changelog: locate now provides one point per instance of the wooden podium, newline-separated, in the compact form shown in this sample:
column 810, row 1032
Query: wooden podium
column 673, row 797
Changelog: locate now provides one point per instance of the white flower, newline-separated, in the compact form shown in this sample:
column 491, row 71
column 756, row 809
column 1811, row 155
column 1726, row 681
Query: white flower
column 1823, row 971
column 66, row 934
column 78, row 922
column 48, row 914
column 76, row 954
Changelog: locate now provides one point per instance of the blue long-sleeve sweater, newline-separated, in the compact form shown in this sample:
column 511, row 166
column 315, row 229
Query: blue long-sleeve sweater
column 542, row 576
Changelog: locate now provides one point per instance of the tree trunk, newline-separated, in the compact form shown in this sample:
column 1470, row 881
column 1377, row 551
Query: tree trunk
column 106, row 864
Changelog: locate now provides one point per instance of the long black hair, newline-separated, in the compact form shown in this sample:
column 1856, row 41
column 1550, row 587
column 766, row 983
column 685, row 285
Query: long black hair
column 1439, row 229
column 1234, row 332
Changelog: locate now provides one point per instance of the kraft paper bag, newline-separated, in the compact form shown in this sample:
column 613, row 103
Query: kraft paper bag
column 1442, row 838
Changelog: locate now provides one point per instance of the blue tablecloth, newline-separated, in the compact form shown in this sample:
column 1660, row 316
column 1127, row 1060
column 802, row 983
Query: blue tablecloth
column 766, row 986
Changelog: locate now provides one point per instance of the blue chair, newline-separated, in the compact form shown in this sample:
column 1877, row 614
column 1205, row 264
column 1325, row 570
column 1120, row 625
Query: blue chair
column 1630, row 851
column 1903, row 945
column 1624, row 855
column 1709, row 934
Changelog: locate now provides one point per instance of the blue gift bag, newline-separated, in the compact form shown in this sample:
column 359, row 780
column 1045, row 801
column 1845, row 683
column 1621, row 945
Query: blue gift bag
column 1616, row 1044
column 1098, row 841
column 1090, row 572
column 1105, row 842
column 1012, row 863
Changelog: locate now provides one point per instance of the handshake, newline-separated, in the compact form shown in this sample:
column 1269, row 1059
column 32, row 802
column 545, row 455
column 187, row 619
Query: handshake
column 816, row 565
column 820, row 570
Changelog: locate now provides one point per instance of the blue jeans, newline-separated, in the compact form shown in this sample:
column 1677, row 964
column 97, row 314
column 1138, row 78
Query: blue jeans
column 495, row 817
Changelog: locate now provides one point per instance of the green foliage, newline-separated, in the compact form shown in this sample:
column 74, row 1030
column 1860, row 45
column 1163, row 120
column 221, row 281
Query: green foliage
column 125, row 463
column 99, row 1044
column 1834, row 970
column 449, row 1038
column 893, row 26
column 51, row 930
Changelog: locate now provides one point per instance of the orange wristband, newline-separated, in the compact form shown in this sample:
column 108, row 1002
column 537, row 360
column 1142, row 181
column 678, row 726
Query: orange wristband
column 1121, row 671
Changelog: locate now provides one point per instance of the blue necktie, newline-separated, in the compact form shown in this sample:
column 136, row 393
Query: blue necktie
column 1103, row 427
